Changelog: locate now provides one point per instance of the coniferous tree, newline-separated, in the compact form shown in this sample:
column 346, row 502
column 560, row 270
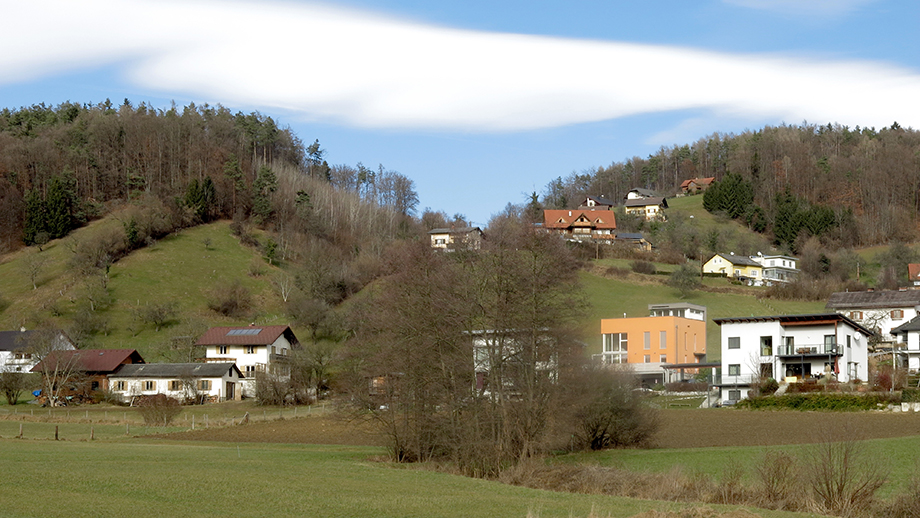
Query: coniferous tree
column 60, row 206
column 36, row 217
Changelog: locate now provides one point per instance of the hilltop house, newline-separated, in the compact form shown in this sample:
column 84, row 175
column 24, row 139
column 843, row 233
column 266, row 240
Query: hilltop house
column 777, row 268
column 449, row 239
column 696, row 185
column 252, row 348
column 658, row 348
column 20, row 350
column 581, row 225
column 639, row 193
column 791, row 349
column 193, row 382
column 740, row 267
column 880, row 311
column 651, row 209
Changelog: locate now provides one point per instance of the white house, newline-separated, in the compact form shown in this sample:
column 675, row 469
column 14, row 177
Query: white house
column 450, row 239
column 880, row 311
column 790, row 349
column 17, row 348
column 777, row 268
column 909, row 343
column 252, row 348
column 183, row 381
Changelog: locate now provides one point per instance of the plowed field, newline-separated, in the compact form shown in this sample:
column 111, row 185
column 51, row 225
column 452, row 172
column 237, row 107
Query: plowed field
column 679, row 428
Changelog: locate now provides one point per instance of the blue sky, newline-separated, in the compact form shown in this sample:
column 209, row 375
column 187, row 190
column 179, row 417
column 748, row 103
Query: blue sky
column 480, row 102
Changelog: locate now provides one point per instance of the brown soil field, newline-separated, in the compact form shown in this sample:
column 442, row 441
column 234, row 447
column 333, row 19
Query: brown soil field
column 684, row 428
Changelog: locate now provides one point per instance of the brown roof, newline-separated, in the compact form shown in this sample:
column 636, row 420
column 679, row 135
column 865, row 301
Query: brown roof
column 874, row 299
column 91, row 360
column 246, row 335
column 913, row 271
column 565, row 219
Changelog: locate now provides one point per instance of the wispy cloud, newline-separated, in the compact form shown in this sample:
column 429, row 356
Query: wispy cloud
column 364, row 69
column 810, row 8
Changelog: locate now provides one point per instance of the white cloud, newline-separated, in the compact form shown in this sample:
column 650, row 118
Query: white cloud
column 366, row 70
column 810, row 8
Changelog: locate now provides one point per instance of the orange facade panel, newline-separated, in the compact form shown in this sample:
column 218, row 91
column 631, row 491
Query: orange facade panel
column 666, row 339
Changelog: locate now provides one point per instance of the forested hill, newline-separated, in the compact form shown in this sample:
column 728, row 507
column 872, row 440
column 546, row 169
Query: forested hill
column 61, row 166
column 868, row 177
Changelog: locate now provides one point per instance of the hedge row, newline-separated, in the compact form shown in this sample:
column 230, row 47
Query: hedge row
column 826, row 401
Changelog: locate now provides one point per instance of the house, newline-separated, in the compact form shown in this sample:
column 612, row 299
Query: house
column 86, row 370
column 450, row 239
column 634, row 240
column 508, row 349
column 199, row 382
column 880, row 311
column 581, row 225
column 20, row 350
column 913, row 273
column 651, row 209
column 790, row 349
column 777, row 268
column 673, row 334
column 740, row 267
column 639, row 193
column 696, row 185
column 252, row 348
column 908, row 343
column 597, row 203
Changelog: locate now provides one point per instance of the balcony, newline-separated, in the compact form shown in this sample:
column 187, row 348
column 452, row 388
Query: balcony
column 807, row 350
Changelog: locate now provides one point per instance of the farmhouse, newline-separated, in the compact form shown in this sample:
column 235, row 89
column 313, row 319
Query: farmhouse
column 20, row 350
column 449, row 239
column 696, row 185
column 581, row 225
column 253, row 349
column 790, row 349
column 191, row 382
column 673, row 334
column 85, row 371
column 880, row 311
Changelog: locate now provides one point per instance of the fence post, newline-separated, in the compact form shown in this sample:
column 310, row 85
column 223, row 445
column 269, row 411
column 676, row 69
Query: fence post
column 20, row 430
column 55, row 432
column 92, row 433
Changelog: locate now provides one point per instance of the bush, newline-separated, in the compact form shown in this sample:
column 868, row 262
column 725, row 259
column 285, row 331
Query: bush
column 820, row 401
column 230, row 299
column 643, row 267
column 158, row 410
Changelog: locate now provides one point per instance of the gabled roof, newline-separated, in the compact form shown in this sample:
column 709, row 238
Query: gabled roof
column 874, row 299
column 645, row 202
column 564, row 219
column 600, row 201
column 176, row 370
column 247, row 335
column 911, row 325
column 646, row 193
column 458, row 230
column 816, row 318
column 913, row 272
column 741, row 260
column 90, row 360
column 19, row 340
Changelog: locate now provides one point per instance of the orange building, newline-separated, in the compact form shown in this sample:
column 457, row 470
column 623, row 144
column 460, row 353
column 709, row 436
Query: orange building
column 673, row 338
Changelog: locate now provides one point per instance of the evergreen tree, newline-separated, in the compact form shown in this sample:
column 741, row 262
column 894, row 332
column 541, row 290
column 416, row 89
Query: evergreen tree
column 36, row 217
column 266, row 183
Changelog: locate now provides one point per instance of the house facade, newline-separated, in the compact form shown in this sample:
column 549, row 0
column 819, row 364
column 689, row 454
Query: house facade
column 581, row 225
column 651, row 209
column 790, row 349
column 777, row 268
column 673, row 334
column 87, row 370
column 913, row 274
column 18, row 349
column 597, row 203
column 449, row 239
column 192, row 382
column 880, row 311
column 253, row 349
column 696, row 185
column 740, row 267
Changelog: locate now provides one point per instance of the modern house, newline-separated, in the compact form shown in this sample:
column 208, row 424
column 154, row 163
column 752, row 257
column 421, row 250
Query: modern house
column 696, row 185
column 87, row 370
column 20, row 350
column 450, row 239
column 777, row 268
column 880, row 311
column 501, row 359
column 581, row 225
column 651, row 209
column 659, row 348
column 191, row 382
column 252, row 348
column 790, row 349
column 740, row 267
column 907, row 346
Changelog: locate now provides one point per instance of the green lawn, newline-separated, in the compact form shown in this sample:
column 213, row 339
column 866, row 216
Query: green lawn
column 144, row 477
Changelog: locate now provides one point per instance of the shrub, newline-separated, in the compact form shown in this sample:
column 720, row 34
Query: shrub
column 910, row 395
column 643, row 267
column 158, row 410
column 820, row 401
column 230, row 299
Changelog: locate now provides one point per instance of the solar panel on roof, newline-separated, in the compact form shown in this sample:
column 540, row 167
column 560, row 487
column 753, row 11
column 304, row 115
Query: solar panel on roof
column 244, row 332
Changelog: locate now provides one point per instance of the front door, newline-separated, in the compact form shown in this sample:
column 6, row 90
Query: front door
column 231, row 391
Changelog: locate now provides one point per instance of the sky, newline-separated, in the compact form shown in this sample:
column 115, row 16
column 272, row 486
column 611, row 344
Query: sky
column 479, row 102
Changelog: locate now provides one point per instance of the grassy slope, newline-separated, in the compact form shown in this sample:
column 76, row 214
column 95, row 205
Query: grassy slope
column 148, row 478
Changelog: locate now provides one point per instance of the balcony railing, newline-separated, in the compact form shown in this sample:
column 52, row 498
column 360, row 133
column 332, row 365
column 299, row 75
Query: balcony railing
column 808, row 349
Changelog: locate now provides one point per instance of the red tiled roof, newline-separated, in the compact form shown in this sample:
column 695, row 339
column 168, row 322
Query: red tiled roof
column 90, row 360
column 686, row 183
column 704, row 181
column 564, row 219
column 245, row 335
column 913, row 271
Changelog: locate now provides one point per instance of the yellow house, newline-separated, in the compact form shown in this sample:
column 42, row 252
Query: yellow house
column 675, row 334
column 739, row 267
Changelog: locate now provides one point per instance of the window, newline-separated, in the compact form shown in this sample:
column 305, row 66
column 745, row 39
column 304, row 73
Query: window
column 734, row 342
column 120, row 386
column 648, row 358
column 734, row 369
column 249, row 370
column 94, row 385
column 662, row 340
column 222, row 349
column 734, row 395
column 790, row 345
column 249, row 349
column 830, row 343
column 647, row 337
column 614, row 348
column 897, row 314
column 175, row 385
column 849, row 338
column 664, row 359
column 149, row 385
column 204, row 384
column 766, row 346
column 856, row 315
